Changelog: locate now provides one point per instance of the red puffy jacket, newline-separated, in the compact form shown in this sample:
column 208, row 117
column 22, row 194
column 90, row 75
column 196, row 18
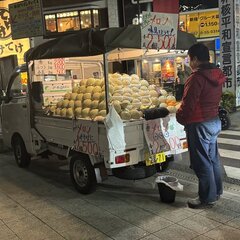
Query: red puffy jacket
column 202, row 94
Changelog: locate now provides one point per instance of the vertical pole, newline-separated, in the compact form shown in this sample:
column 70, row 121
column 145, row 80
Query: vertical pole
column 139, row 11
column 106, row 82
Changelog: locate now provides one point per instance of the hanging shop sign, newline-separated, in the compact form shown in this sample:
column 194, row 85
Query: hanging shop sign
column 159, row 30
column 230, row 40
column 8, row 46
column 200, row 24
column 26, row 19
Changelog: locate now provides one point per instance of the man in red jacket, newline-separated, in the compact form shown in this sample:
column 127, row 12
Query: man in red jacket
column 199, row 114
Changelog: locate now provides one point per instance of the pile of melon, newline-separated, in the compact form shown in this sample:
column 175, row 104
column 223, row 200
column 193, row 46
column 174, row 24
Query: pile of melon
column 128, row 94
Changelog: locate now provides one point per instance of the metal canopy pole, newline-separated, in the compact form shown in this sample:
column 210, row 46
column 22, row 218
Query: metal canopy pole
column 106, row 82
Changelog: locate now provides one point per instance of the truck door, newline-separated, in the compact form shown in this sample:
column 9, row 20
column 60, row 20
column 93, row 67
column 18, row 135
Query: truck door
column 15, row 109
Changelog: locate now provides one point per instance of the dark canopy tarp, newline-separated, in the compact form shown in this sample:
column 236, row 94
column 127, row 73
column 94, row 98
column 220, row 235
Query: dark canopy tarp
column 92, row 42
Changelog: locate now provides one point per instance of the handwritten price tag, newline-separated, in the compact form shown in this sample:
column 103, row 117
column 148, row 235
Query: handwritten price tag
column 159, row 30
column 86, row 137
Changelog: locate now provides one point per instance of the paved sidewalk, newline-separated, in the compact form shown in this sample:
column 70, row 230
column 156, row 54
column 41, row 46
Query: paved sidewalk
column 40, row 203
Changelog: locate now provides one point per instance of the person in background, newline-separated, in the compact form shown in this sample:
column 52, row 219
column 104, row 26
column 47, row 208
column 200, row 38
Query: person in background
column 199, row 114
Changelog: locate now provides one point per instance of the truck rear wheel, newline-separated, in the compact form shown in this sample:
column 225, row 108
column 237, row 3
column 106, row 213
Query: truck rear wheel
column 22, row 157
column 82, row 174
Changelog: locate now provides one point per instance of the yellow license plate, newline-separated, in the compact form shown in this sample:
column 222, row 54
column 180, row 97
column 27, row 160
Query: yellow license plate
column 154, row 158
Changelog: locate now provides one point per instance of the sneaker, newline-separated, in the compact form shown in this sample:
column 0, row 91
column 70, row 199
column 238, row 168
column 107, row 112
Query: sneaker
column 196, row 203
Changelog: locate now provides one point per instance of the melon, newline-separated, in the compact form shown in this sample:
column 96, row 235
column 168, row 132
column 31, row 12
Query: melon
column 77, row 104
column 93, row 113
column 85, row 112
column 125, row 115
column 94, row 104
column 89, row 89
column 83, row 82
column 82, row 89
column 87, row 96
column 67, row 96
column 135, row 114
column 77, row 112
column 96, row 96
column 102, row 113
column 90, row 82
column 65, row 103
column 102, row 105
column 99, row 118
column 63, row 112
column 71, row 104
column 79, row 97
column 87, row 103
column 69, row 113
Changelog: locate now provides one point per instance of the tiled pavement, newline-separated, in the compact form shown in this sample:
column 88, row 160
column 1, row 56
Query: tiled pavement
column 40, row 203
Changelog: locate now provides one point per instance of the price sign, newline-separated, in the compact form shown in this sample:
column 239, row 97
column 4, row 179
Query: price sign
column 159, row 30
column 49, row 66
column 164, row 135
column 86, row 137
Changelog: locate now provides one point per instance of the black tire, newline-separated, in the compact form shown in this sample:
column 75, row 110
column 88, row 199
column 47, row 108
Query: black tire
column 82, row 174
column 225, row 121
column 22, row 157
column 134, row 172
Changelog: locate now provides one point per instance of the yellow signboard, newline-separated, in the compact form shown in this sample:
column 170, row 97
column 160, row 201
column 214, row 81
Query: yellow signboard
column 193, row 24
column 200, row 24
column 209, row 24
column 7, row 45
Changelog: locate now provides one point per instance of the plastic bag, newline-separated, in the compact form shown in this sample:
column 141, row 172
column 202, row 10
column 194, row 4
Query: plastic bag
column 171, row 182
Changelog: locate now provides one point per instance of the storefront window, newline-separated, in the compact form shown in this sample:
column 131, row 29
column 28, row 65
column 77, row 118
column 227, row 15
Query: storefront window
column 50, row 21
column 86, row 20
column 68, row 21
column 95, row 18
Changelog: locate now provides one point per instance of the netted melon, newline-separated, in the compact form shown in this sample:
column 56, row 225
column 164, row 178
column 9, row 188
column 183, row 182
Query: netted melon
column 63, row 112
column 79, row 96
column 125, row 115
column 71, row 104
column 96, row 96
column 87, row 96
column 87, row 103
column 82, row 89
column 77, row 112
column 93, row 113
column 85, row 112
column 102, row 113
column 135, row 114
column 83, row 82
column 94, row 104
column 78, row 103
column 69, row 113
column 67, row 96
column 65, row 103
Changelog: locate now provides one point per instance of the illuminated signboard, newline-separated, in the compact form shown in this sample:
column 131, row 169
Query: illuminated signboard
column 200, row 24
column 8, row 46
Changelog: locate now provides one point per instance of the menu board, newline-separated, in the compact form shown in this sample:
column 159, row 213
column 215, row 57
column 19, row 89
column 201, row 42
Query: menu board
column 49, row 66
column 26, row 19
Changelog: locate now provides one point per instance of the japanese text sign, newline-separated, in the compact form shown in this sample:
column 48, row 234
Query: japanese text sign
column 164, row 135
column 26, row 19
column 49, row 66
column 86, row 137
column 228, row 47
column 159, row 30
column 8, row 46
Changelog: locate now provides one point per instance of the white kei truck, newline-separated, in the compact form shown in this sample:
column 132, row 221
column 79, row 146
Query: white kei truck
column 90, row 146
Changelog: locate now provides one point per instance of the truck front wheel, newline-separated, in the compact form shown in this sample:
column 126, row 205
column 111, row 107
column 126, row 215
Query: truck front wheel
column 22, row 157
column 82, row 174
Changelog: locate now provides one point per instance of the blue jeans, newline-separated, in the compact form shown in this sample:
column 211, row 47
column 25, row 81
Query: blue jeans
column 204, row 158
